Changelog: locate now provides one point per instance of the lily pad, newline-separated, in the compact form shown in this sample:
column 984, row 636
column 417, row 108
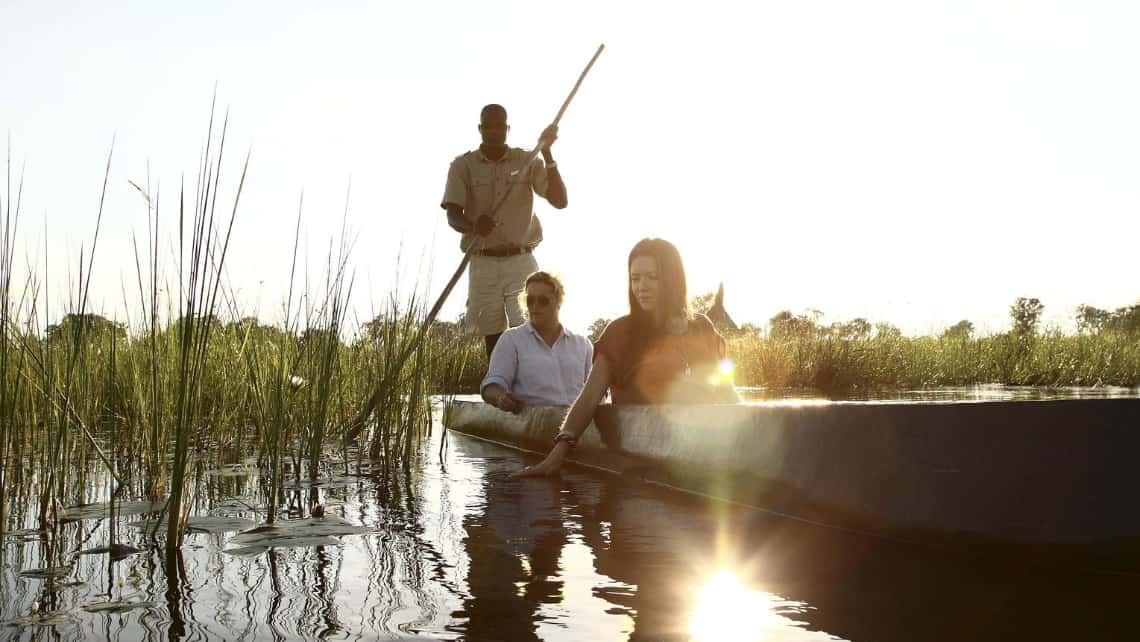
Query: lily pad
column 238, row 504
column 100, row 509
column 328, row 526
column 48, row 573
column 335, row 481
column 219, row 524
column 315, row 531
column 49, row 618
column 117, row 606
column 116, row 551
column 282, row 542
column 238, row 470
column 204, row 524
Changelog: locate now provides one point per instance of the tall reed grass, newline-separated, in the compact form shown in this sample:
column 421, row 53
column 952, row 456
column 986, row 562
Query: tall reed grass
column 838, row 365
column 191, row 379
column 9, row 379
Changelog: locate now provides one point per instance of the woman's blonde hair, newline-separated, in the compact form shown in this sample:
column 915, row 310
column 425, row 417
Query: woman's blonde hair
column 552, row 280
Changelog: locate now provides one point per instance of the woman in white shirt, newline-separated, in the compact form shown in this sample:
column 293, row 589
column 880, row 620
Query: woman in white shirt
column 539, row 362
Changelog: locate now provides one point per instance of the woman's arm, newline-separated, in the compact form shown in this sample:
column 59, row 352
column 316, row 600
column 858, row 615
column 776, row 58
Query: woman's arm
column 577, row 420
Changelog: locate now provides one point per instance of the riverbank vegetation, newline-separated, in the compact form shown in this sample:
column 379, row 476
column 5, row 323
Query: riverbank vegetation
column 191, row 380
column 838, row 359
column 797, row 351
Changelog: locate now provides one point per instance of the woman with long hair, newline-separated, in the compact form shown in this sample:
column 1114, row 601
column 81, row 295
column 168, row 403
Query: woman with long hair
column 659, row 353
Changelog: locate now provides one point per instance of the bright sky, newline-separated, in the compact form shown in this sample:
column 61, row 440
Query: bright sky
column 912, row 162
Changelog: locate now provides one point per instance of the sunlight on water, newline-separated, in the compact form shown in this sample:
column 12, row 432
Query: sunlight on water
column 726, row 609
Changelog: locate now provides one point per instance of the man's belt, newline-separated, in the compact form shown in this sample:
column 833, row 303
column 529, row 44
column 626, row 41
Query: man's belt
column 502, row 252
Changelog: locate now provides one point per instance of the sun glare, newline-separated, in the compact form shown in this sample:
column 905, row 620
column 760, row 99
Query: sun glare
column 723, row 375
column 727, row 610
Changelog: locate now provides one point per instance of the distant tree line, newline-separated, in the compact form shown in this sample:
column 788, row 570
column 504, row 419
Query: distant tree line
column 1025, row 317
column 837, row 355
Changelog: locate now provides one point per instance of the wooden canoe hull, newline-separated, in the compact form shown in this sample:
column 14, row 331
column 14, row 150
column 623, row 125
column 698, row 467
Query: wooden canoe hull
column 1060, row 475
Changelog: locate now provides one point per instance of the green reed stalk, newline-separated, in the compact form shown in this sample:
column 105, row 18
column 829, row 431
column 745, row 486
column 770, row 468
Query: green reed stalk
column 269, row 356
column 400, row 393
column 58, row 395
column 321, row 348
column 145, row 369
column 9, row 381
column 201, row 262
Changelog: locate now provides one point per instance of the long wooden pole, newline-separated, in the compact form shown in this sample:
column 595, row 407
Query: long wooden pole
column 392, row 372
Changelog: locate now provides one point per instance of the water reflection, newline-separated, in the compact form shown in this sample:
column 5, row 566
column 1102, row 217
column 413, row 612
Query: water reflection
column 585, row 557
column 465, row 552
column 981, row 392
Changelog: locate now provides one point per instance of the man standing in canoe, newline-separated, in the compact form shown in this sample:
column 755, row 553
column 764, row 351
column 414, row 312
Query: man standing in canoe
column 503, row 240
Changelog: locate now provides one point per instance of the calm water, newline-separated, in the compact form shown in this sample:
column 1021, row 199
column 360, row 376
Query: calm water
column 463, row 552
column 984, row 392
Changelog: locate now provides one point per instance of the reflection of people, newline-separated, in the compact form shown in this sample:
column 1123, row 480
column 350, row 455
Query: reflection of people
column 659, row 353
column 504, row 239
column 538, row 362
column 514, row 539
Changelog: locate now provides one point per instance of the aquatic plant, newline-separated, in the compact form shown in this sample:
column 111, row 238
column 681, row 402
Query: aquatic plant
column 9, row 379
column 202, row 248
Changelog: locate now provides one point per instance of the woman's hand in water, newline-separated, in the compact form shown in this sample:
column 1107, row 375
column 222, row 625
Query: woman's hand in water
column 549, row 466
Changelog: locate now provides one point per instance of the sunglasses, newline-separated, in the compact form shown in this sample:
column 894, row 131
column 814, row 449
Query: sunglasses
column 537, row 299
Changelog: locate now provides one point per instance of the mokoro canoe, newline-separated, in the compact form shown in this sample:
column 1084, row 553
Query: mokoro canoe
column 1059, row 476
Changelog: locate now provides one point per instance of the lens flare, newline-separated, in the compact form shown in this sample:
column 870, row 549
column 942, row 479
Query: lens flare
column 723, row 375
column 727, row 610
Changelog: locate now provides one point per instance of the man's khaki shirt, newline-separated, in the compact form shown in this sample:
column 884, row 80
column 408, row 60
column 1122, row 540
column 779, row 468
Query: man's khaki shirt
column 476, row 184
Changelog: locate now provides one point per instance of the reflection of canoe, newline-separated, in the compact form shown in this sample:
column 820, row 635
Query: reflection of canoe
column 1060, row 474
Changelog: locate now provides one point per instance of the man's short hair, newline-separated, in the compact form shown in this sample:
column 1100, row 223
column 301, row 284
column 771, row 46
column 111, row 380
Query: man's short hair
column 492, row 108
column 552, row 280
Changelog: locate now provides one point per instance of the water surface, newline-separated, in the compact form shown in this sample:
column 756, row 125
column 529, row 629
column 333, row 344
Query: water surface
column 464, row 552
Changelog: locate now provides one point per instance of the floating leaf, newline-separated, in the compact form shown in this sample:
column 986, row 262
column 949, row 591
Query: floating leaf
column 204, row 524
column 117, row 606
column 116, row 551
column 49, row 573
column 328, row 526
column 237, row 470
column 101, row 509
column 219, row 524
column 336, row 481
column 317, row 531
column 50, row 618
column 257, row 547
column 241, row 504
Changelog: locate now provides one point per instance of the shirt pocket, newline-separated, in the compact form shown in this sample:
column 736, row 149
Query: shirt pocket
column 575, row 367
column 517, row 177
column 483, row 187
column 534, row 367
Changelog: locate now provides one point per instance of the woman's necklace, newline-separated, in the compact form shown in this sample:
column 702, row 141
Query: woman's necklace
column 678, row 327
column 684, row 359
